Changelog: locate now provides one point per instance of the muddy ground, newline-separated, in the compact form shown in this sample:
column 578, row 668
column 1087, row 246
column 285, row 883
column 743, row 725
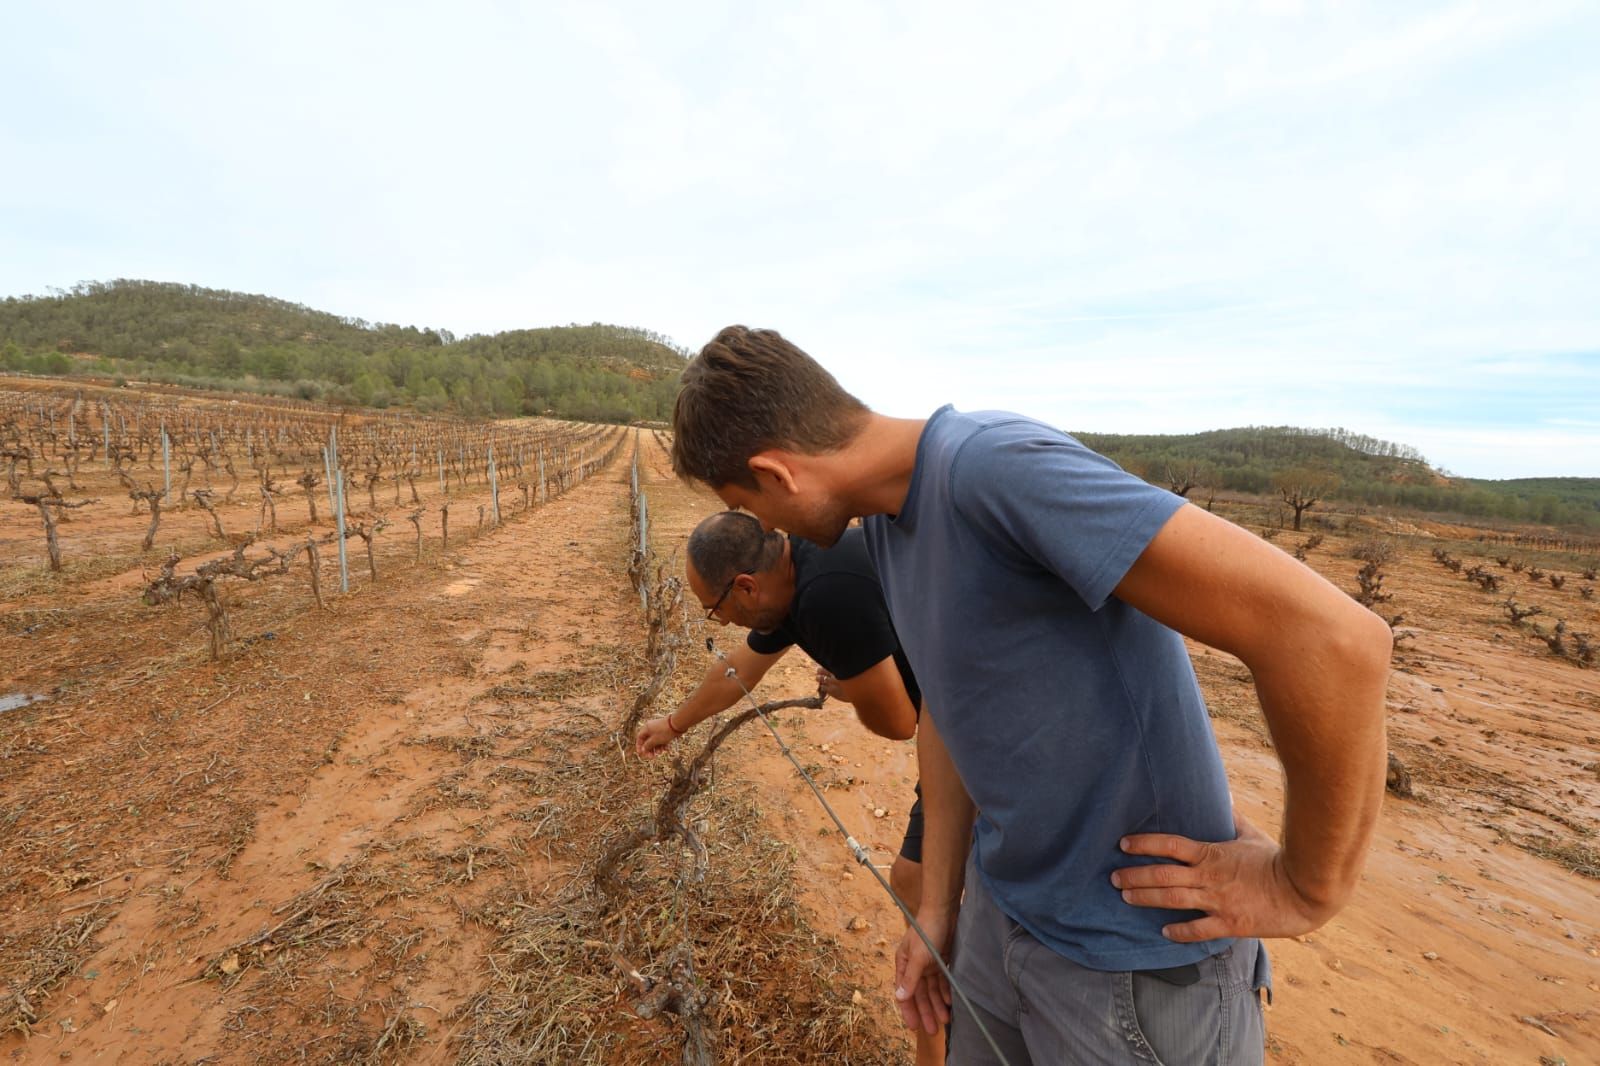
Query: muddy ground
column 356, row 835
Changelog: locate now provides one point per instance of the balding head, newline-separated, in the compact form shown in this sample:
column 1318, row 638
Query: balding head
column 730, row 543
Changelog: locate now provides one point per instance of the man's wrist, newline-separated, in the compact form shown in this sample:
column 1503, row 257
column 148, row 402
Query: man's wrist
column 675, row 730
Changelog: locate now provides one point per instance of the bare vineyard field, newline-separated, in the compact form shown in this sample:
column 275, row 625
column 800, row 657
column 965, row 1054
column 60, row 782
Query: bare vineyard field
column 404, row 826
column 364, row 831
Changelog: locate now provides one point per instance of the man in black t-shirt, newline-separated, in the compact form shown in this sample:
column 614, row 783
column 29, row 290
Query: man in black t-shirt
column 788, row 591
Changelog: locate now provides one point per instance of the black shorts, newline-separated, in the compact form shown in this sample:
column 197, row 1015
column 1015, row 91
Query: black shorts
column 911, row 846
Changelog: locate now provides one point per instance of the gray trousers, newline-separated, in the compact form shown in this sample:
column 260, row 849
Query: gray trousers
column 1042, row 1009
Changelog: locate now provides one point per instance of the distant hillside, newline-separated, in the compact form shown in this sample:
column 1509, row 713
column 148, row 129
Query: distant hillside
column 1349, row 467
column 216, row 339
column 1545, row 499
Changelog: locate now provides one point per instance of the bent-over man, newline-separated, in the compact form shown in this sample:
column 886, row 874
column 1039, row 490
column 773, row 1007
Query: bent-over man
column 787, row 592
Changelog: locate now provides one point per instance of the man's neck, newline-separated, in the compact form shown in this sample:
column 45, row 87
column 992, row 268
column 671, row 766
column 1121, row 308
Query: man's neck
column 875, row 469
column 785, row 577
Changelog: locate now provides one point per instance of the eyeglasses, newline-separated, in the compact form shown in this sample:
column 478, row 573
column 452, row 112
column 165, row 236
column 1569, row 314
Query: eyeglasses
column 712, row 610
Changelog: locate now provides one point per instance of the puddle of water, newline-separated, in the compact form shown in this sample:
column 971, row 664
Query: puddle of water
column 18, row 699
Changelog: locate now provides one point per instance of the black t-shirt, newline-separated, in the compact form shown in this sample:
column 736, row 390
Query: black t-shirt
column 838, row 616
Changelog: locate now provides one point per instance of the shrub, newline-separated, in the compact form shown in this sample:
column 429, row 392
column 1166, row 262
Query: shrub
column 1519, row 614
column 1375, row 550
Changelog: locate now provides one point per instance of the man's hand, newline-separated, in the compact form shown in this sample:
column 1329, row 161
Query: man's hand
column 1242, row 886
column 920, row 989
column 654, row 738
column 828, row 685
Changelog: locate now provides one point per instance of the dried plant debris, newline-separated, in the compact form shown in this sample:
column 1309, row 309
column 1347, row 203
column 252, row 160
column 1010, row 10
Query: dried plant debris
column 337, row 911
column 40, row 959
column 774, row 990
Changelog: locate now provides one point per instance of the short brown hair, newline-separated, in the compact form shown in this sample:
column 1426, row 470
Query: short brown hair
column 749, row 390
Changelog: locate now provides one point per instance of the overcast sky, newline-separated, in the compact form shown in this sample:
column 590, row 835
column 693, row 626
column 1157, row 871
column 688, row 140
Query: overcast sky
column 1119, row 218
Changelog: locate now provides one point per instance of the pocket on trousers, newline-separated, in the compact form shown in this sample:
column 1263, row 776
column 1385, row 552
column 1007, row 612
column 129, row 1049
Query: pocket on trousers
column 1190, row 1025
column 1172, row 1024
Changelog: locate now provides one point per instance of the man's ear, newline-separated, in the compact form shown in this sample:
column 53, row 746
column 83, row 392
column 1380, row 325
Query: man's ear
column 778, row 466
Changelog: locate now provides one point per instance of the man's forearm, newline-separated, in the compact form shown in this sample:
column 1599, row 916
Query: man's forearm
column 947, row 813
column 1326, row 716
column 717, row 691
column 1320, row 663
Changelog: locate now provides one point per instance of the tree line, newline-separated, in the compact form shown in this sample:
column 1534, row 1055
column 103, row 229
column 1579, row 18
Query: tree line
column 211, row 338
column 1336, row 464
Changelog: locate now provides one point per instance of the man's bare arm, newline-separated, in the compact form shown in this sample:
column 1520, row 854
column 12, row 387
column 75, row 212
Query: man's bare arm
column 1321, row 663
column 880, row 700
column 716, row 692
column 947, row 814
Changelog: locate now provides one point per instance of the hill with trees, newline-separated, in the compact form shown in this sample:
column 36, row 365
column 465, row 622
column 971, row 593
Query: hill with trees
column 212, row 338
column 1335, row 464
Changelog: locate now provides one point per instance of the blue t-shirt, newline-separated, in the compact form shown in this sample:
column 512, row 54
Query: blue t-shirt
column 1072, row 718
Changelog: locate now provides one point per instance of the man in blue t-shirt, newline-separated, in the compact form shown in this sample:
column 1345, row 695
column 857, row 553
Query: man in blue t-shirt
column 1072, row 786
